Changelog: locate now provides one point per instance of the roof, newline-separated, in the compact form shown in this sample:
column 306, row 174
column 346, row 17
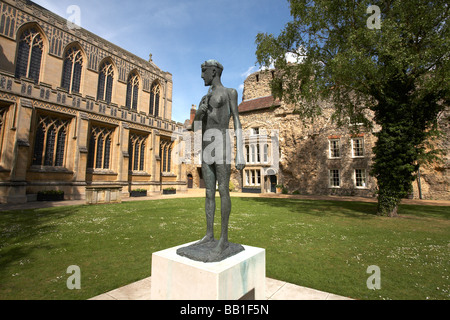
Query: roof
column 258, row 104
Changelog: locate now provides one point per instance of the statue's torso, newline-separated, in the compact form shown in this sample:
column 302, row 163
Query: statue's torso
column 219, row 114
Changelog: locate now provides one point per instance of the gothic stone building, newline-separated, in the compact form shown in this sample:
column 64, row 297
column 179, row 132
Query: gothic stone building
column 316, row 158
column 76, row 111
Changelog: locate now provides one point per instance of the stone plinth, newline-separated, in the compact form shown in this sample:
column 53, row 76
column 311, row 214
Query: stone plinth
column 178, row 278
column 103, row 194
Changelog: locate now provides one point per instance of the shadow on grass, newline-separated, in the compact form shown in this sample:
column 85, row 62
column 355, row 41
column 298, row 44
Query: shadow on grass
column 320, row 208
column 21, row 233
column 440, row 212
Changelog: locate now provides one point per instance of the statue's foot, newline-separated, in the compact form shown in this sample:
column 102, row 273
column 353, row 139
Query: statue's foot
column 217, row 252
column 206, row 239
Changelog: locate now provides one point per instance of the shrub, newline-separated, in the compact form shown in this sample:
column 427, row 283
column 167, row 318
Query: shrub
column 51, row 193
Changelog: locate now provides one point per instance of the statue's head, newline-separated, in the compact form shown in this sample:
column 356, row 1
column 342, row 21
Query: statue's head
column 212, row 64
column 211, row 69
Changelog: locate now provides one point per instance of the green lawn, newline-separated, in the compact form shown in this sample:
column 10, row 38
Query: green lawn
column 325, row 245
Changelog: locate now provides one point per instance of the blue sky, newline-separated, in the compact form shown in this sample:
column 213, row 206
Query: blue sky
column 182, row 34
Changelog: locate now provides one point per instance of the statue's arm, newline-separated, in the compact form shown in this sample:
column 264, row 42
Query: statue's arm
column 240, row 160
column 201, row 111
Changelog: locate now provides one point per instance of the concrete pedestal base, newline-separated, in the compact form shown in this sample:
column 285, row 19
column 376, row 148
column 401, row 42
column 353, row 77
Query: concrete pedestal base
column 179, row 278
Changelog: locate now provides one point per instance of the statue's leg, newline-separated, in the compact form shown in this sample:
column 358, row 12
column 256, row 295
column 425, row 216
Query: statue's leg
column 209, row 175
column 223, row 172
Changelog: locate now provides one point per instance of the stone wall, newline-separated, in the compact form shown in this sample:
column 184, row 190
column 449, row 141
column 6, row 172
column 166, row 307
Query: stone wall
column 434, row 178
column 257, row 85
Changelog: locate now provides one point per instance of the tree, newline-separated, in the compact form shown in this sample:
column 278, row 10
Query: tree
column 395, row 64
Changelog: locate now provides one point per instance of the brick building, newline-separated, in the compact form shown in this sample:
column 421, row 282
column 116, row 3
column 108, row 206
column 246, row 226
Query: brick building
column 78, row 111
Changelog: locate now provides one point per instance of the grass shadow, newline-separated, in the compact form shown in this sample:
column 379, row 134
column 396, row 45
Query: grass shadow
column 21, row 233
column 424, row 211
column 320, row 208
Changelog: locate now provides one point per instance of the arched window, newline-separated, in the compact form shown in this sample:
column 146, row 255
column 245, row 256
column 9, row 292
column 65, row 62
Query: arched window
column 100, row 148
column 252, row 153
column 165, row 152
column 266, row 153
column 258, row 153
column 155, row 97
column 73, row 65
column 247, row 153
column 105, row 82
column 29, row 54
column 132, row 91
column 2, row 127
column 50, row 142
column 136, row 152
column 169, row 159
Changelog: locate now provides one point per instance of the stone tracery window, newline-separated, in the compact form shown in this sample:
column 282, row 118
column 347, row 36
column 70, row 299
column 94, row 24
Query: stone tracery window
column 99, row 155
column 105, row 82
column 132, row 91
column 29, row 54
column 72, row 68
column 165, row 151
column 50, row 141
column 2, row 127
column 8, row 21
column 155, row 97
column 136, row 151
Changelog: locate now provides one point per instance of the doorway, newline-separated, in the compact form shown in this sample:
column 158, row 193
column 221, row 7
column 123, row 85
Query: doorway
column 273, row 184
column 190, row 181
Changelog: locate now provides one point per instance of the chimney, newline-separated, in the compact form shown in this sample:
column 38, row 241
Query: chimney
column 193, row 112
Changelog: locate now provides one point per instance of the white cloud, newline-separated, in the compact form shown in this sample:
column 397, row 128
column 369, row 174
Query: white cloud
column 290, row 58
column 249, row 71
column 296, row 58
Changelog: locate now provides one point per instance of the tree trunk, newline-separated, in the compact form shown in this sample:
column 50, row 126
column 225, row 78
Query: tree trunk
column 393, row 213
column 388, row 205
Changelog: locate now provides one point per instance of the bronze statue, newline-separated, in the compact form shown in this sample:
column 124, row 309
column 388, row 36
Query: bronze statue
column 213, row 117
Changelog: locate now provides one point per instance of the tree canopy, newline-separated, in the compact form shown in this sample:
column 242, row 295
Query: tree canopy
column 389, row 57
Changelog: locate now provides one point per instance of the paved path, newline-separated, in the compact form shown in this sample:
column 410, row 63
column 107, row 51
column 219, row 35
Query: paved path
column 195, row 193
column 275, row 290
